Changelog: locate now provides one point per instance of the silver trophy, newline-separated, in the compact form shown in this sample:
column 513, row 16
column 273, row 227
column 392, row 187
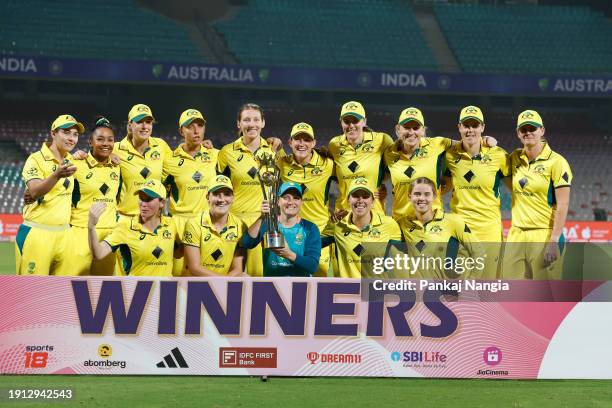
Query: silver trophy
column 269, row 180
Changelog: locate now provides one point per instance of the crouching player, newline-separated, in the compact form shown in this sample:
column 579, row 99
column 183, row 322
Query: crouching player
column 146, row 242
column 302, row 251
column 435, row 237
column 211, row 239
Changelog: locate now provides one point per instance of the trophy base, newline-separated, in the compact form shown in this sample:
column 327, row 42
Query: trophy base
column 273, row 240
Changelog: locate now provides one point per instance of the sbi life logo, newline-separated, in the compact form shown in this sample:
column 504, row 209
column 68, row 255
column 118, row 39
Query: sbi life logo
column 426, row 357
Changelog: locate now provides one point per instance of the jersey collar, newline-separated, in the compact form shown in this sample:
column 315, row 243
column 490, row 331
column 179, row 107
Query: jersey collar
column 205, row 221
column 374, row 222
column 314, row 159
column 437, row 216
column 126, row 144
column 240, row 145
column 368, row 136
column 137, row 226
column 483, row 149
column 48, row 154
column 544, row 154
column 92, row 162
column 180, row 152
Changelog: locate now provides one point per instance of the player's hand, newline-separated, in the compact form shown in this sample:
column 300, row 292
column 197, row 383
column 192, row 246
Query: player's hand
column 207, row 143
column 284, row 252
column 239, row 274
column 337, row 215
column 95, row 212
column 79, row 155
column 551, row 253
column 66, row 169
column 490, row 141
column 116, row 160
column 276, row 143
column 28, row 198
column 265, row 207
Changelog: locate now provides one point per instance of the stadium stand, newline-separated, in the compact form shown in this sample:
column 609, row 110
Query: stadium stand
column 526, row 39
column 75, row 29
column 339, row 34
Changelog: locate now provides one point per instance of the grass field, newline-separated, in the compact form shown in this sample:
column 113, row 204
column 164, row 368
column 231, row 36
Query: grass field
column 181, row 391
column 155, row 391
column 7, row 258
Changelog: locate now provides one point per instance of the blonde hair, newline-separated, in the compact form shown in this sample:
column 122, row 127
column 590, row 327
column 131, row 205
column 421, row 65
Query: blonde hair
column 423, row 180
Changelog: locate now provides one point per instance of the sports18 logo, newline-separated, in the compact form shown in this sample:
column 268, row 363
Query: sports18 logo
column 37, row 356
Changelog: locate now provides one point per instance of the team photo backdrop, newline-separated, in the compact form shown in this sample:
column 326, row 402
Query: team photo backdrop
column 293, row 327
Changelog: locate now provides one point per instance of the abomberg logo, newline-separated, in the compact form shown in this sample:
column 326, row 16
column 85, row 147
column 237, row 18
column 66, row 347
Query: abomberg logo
column 331, row 358
column 105, row 351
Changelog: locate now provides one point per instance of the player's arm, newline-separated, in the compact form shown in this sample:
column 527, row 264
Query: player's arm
column 39, row 187
column 562, row 196
column 237, row 266
column 253, row 236
column 98, row 249
column 192, row 256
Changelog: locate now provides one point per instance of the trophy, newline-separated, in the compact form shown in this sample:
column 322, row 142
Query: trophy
column 269, row 180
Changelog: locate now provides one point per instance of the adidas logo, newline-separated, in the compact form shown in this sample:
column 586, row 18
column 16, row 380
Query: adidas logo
column 173, row 360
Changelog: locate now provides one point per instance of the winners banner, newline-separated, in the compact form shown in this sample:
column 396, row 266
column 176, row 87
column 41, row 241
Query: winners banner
column 303, row 327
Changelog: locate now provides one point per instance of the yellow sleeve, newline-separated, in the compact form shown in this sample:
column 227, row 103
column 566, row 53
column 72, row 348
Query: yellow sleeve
column 192, row 233
column 506, row 164
column 386, row 142
column 222, row 161
column 561, row 173
column 444, row 142
column 117, row 237
column 32, row 170
column 395, row 233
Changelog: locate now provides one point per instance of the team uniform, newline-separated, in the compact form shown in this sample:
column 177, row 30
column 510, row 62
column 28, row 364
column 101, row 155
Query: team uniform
column 439, row 240
column 217, row 248
column 136, row 168
column 93, row 182
column 364, row 160
column 43, row 239
column 237, row 162
column 188, row 178
column 315, row 178
column 533, row 214
column 144, row 252
column 426, row 161
column 349, row 240
column 476, row 196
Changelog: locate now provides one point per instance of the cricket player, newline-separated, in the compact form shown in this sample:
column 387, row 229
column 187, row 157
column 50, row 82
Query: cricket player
column 43, row 239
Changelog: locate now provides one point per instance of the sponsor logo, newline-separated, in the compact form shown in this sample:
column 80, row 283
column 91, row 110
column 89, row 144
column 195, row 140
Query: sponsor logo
column 331, row 358
column 114, row 176
column 105, row 351
column 31, row 267
column 167, row 234
column 316, row 171
column 420, row 358
column 173, row 360
column 180, row 163
column 248, row 357
column 155, row 155
column 539, row 169
column 89, row 175
column 37, row 356
column 492, row 356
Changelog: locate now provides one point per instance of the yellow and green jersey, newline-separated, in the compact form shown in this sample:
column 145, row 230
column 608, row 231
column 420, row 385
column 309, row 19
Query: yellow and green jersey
column 349, row 241
column 136, row 168
column 54, row 207
column 426, row 161
column 439, row 240
column 533, row 187
column 364, row 160
column 241, row 165
column 95, row 182
column 188, row 178
column 144, row 252
column 216, row 247
column 315, row 178
column 476, row 187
